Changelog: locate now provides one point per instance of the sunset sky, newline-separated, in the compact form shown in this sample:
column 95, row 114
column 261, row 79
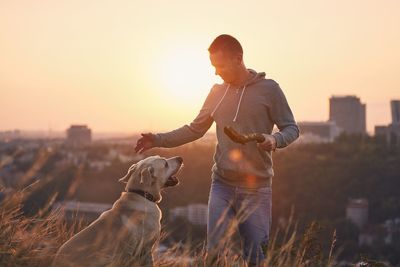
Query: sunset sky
column 129, row 66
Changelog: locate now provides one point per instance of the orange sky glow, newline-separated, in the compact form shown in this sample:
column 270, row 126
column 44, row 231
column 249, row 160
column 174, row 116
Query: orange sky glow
column 131, row 66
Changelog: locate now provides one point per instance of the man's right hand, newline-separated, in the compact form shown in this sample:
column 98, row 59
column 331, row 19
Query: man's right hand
column 145, row 142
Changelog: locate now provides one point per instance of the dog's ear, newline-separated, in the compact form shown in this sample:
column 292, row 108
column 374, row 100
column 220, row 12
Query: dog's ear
column 146, row 176
column 125, row 179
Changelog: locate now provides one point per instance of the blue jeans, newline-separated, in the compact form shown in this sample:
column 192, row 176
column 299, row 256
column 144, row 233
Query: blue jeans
column 250, row 208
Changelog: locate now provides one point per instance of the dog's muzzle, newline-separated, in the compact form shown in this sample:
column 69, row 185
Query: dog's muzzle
column 172, row 181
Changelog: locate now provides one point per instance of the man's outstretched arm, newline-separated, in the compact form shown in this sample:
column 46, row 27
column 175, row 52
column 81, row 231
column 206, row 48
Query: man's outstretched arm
column 182, row 135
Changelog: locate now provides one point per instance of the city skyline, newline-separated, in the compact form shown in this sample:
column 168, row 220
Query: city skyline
column 106, row 134
column 115, row 67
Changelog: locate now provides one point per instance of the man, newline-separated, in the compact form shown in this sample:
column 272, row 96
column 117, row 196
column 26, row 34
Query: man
column 241, row 175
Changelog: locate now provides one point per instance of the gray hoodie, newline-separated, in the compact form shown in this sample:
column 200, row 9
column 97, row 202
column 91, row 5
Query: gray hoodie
column 252, row 108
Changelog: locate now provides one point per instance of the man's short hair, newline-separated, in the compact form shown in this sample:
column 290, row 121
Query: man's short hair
column 226, row 43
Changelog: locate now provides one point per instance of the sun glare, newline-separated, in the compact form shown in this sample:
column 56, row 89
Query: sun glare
column 186, row 74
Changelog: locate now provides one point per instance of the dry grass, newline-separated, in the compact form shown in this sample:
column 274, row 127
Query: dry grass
column 30, row 241
column 33, row 241
column 286, row 248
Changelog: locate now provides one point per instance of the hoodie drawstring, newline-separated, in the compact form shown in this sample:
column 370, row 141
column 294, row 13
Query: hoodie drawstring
column 222, row 98
column 238, row 106
column 220, row 101
column 241, row 96
column 240, row 99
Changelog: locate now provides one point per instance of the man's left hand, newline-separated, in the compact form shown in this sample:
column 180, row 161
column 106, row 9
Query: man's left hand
column 269, row 143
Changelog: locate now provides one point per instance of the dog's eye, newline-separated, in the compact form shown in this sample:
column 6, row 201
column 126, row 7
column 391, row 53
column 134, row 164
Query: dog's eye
column 166, row 164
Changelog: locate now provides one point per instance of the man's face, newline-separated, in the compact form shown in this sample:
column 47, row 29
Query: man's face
column 226, row 65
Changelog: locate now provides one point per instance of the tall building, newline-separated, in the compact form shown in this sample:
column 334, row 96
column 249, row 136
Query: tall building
column 390, row 134
column 395, row 106
column 79, row 135
column 348, row 113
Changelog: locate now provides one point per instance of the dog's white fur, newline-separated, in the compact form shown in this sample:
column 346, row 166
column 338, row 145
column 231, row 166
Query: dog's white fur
column 125, row 234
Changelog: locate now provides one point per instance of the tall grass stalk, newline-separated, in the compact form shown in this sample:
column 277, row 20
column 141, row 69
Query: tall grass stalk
column 33, row 241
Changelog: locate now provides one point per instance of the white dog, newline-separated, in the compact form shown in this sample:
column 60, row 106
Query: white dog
column 125, row 234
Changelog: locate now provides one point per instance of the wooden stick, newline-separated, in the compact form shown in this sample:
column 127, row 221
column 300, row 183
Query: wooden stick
column 243, row 138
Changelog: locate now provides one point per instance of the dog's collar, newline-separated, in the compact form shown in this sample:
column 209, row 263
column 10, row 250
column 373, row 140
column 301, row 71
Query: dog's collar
column 144, row 194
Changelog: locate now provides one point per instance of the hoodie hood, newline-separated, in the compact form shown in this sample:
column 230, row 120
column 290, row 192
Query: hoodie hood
column 257, row 76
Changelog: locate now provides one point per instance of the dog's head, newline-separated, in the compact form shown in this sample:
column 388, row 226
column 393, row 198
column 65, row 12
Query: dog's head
column 152, row 174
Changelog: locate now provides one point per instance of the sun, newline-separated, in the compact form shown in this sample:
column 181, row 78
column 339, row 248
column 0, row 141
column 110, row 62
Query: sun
column 185, row 73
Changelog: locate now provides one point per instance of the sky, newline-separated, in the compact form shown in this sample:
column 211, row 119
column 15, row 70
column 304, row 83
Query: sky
column 134, row 66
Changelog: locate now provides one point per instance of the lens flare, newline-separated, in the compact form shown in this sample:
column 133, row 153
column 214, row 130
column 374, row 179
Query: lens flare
column 235, row 155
